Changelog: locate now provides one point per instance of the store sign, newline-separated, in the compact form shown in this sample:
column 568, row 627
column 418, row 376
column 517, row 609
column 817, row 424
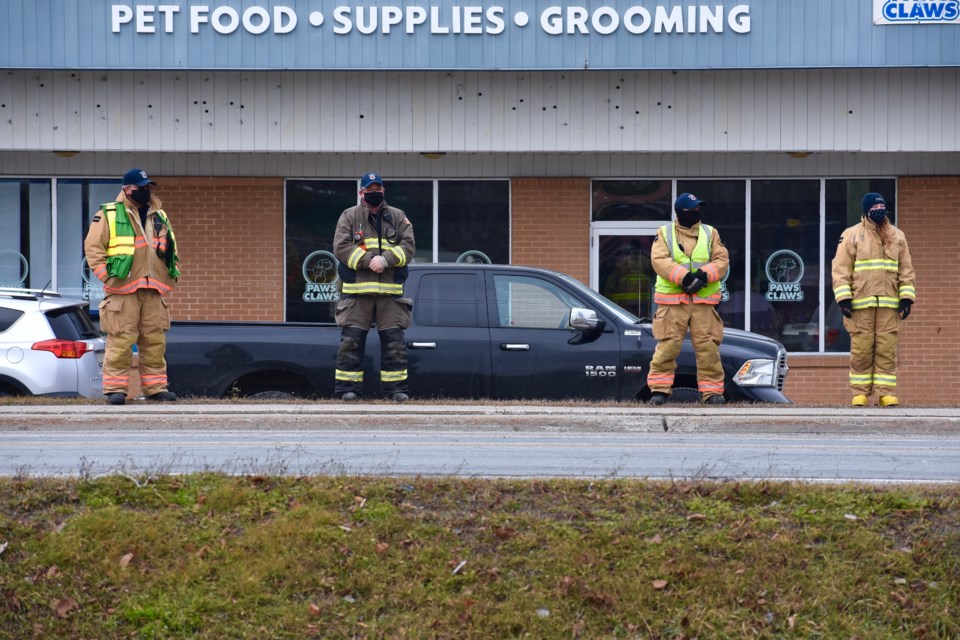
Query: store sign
column 916, row 12
column 320, row 273
column 411, row 35
column 784, row 272
column 442, row 20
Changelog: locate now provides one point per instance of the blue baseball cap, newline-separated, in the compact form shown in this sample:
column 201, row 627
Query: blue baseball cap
column 137, row 178
column 368, row 179
column 871, row 200
column 686, row 202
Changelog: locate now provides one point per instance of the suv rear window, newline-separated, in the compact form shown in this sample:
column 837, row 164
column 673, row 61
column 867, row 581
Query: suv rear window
column 8, row 317
column 72, row 323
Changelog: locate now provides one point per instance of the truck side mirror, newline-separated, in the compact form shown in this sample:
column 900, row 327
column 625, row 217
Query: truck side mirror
column 585, row 320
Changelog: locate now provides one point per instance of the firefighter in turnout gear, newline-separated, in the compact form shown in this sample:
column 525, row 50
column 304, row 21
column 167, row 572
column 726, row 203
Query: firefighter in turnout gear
column 132, row 249
column 373, row 244
column 875, row 288
column 690, row 261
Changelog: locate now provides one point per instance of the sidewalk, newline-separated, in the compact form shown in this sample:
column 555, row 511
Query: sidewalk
column 743, row 419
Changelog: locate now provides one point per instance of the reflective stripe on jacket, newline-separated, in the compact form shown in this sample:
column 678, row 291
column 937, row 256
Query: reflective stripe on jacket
column 136, row 256
column 869, row 274
column 672, row 264
column 357, row 240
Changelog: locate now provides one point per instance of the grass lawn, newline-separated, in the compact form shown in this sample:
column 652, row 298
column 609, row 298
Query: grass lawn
column 212, row 556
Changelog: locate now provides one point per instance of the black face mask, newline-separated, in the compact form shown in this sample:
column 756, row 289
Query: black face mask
column 877, row 215
column 373, row 198
column 141, row 197
column 688, row 218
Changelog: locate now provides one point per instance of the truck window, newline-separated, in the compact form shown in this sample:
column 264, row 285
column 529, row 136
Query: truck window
column 447, row 299
column 532, row 303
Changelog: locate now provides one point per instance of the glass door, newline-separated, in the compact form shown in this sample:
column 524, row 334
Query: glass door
column 620, row 268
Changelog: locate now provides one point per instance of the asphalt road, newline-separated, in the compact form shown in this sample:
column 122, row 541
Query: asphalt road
column 818, row 444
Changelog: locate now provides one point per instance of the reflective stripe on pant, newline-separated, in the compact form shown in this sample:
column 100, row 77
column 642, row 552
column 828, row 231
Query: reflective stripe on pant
column 873, row 350
column 356, row 315
column 670, row 324
column 135, row 318
column 349, row 375
column 393, row 361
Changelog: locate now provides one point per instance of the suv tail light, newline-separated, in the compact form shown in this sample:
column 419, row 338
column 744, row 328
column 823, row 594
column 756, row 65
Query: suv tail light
column 70, row 349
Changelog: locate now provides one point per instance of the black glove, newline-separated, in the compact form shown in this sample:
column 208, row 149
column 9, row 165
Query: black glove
column 905, row 304
column 694, row 281
column 846, row 308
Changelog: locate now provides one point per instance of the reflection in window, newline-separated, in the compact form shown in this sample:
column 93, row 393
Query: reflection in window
column 448, row 299
column 785, row 238
column 625, row 273
column 26, row 234
column 525, row 302
column 629, row 200
column 473, row 221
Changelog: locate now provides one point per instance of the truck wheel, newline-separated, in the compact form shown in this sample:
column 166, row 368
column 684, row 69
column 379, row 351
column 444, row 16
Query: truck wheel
column 684, row 395
column 272, row 395
column 271, row 385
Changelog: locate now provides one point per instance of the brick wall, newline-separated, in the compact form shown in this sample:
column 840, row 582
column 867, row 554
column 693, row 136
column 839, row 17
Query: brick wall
column 230, row 234
column 551, row 224
column 930, row 338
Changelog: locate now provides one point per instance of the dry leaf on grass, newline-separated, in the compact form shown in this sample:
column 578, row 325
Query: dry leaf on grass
column 313, row 609
column 125, row 560
column 659, row 584
column 63, row 606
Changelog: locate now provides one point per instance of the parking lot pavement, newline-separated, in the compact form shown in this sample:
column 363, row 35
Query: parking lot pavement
column 747, row 419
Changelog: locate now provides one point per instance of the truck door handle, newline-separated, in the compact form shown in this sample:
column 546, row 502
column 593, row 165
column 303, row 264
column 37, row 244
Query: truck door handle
column 506, row 346
column 423, row 345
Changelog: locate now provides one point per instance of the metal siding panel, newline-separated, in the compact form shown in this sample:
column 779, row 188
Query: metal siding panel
column 485, row 120
column 534, row 100
column 376, row 110
column 893, row 110
column 431, row 96
column 9, row 128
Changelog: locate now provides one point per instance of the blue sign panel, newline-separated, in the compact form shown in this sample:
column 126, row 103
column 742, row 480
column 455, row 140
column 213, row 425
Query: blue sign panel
column 521, row 34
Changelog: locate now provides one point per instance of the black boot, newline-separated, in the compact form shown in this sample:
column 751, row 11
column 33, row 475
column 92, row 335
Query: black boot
column 658, row 399
column 393, row 365
column 349, row 376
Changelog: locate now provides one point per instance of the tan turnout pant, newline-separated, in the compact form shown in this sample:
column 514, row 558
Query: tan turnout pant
column 873, row 350
column 670, row 324
column 136, row 318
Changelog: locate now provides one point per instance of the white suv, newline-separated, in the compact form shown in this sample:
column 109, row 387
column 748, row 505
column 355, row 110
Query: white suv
column 48, row 346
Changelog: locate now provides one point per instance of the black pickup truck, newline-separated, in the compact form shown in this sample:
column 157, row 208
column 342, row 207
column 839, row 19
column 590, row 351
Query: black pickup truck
column 478, row 331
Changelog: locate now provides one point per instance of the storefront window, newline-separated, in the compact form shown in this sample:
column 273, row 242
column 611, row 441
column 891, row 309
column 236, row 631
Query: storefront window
column 725, row 206
column 631, row 200
column 842, row 211
column 313, row 208
column 472, row 217
column 77, row 201
column 26, row 234
column 473, row 221
column 785, row 259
